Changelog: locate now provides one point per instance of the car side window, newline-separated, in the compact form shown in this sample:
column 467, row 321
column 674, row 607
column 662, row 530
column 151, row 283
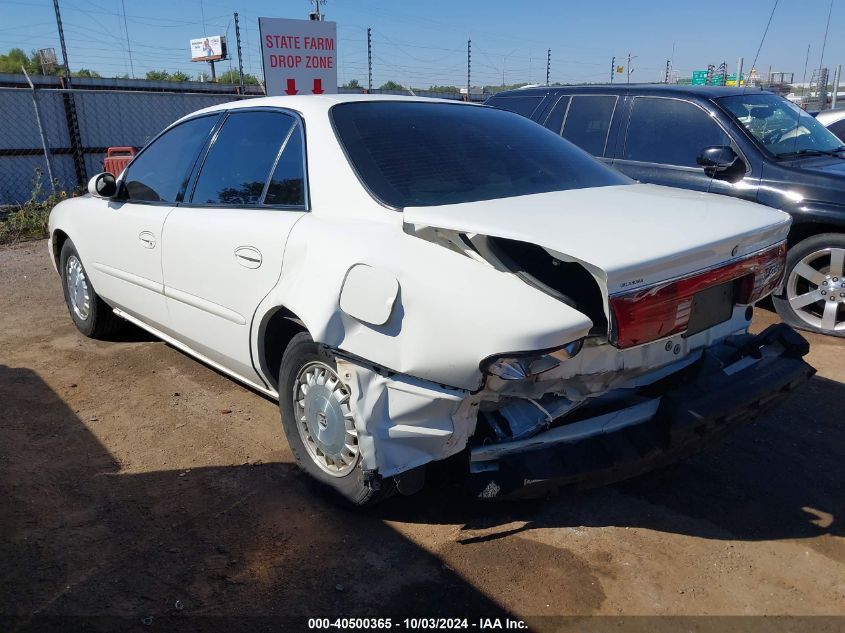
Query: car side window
column 524, row 105
column 588, row 122
column 161, row 171
column 555, row 119
column 670, row 132
column 240, row 159
column 287, row 184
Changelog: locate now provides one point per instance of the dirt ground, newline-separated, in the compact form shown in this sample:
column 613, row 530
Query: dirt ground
column 137, row 483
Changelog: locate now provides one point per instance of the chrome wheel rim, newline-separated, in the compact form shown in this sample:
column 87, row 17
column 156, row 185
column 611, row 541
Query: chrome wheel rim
column 78, row 292
column 324, row 419
column 815, row 289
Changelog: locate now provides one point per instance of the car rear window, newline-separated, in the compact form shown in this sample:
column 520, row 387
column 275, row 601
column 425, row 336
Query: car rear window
column 423, row 154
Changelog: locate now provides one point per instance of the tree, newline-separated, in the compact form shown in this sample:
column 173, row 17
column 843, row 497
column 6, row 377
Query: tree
column 444, row 89
column 85, row 72
column 392, row 85
column 232, row 77
column 12, row 62
column 352, row 83
column 158, row 75
column 180, row 76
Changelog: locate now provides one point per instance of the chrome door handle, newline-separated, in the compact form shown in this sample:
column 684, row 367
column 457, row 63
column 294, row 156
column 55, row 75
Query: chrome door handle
column 248, row 256
column 148, row 240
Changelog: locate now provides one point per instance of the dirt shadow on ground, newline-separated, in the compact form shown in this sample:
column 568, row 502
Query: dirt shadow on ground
column 77, row 537
column 779, row 477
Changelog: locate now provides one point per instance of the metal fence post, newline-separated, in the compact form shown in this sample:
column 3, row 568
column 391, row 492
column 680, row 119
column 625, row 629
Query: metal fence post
column 41, row 131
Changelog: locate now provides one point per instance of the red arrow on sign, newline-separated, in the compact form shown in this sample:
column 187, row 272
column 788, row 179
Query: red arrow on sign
column 291, row 87
column 318, row 87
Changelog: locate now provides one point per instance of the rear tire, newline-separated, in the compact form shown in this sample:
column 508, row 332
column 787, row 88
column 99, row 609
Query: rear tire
column 813, row 297
column 91, row 315
column 318, row 424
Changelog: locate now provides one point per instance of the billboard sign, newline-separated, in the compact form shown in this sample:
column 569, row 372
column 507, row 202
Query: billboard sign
column 299, row 56
column 207, row 49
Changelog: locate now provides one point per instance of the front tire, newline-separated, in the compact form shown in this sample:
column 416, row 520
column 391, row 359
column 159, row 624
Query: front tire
column 318, row 424
column 813, row 297
column 91, row 315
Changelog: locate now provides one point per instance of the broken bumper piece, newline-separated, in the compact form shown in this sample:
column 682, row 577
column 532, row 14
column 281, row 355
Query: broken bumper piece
column 728, row 386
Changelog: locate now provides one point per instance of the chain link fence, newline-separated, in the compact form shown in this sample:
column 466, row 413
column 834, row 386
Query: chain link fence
column 61, row 136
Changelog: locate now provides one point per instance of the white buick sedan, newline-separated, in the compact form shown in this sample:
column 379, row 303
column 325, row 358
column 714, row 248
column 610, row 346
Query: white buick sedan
column 416, row 279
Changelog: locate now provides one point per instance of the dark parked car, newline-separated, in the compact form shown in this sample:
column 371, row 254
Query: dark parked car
column 739, row 142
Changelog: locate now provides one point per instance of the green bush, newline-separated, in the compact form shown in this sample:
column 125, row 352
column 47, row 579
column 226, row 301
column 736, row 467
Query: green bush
column 29, row 220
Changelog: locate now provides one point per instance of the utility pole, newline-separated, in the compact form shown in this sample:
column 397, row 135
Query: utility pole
column 837, row 75
column 739, row 63
column 62, row 41
column 469, row 66
column 548, row 65
column 369, row 59
column 628, row 68
column 612, row 68
column 238, row 42
column 317, row 15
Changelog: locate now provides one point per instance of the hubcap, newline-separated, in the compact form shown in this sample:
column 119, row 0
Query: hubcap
column 77, row 288
column 324, row 419
column 816, row 289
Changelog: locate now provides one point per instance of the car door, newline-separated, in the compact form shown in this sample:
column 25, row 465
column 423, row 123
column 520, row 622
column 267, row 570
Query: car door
column 665, row 136
column 223, row 247
column 126, row 257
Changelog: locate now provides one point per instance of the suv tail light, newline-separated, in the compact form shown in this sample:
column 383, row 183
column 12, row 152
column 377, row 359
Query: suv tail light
column 648, row 314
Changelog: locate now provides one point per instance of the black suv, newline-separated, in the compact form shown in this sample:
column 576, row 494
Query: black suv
column 738, row 142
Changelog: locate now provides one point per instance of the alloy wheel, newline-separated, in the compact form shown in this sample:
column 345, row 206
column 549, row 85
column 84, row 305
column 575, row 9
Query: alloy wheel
column 816, row 289
column 324, row 419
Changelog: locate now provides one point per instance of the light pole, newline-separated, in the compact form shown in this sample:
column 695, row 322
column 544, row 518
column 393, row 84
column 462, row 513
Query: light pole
column 504, row 63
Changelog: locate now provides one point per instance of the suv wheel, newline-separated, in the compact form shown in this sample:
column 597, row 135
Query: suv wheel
column 319, row 426
column 813, row 296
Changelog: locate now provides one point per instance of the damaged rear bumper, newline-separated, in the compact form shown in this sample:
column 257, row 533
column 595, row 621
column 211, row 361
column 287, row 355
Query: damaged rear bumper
column 728, row 386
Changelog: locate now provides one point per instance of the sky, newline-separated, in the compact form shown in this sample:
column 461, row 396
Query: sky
column 423, row 42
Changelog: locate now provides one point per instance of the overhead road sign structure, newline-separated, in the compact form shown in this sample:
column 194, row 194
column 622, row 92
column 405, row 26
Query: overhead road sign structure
column 299, row 56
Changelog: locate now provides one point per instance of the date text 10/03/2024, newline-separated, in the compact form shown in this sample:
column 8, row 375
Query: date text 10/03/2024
column 412, row 624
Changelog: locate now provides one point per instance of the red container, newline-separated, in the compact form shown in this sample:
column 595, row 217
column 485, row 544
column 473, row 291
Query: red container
column 117, row 158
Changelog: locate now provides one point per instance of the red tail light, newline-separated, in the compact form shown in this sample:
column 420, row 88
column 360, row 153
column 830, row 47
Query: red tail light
column 664, row 309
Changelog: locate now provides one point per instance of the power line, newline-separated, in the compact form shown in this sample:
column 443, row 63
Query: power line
column 128, row 45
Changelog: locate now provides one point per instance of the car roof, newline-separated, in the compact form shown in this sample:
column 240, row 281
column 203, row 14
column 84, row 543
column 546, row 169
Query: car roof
column 310, row 105
column 706, row 92
column 826, row 117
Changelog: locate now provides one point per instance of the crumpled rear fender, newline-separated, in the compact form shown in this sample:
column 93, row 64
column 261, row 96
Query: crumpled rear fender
column 449, row 312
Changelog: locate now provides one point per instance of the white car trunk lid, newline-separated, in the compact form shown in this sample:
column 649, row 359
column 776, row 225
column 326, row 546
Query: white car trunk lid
column 629, row 236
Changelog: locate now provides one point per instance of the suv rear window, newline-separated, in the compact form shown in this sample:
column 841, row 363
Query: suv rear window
column 524, row 105
column 424, row 154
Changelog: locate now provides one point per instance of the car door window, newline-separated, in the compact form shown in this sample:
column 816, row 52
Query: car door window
column 287, row 185
column 161, row 170
column 555, row 119
column 588, row 122
column 240, row 159
column 524, row 105
column 670, row 132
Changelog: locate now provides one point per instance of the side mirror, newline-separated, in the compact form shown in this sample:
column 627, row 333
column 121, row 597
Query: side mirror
column 720, row 160
column 103, row 185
